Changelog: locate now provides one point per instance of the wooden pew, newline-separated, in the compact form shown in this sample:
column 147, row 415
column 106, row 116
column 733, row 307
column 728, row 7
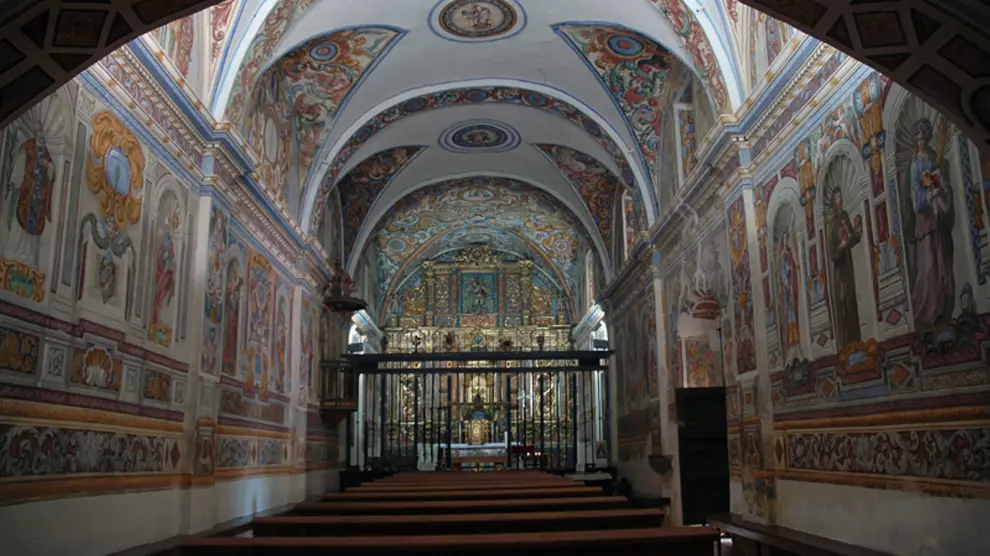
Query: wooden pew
column 372, row 487
column 453, row 524
column 677, row 541
column 486, row 494
column 445, row 476
column 461, row 506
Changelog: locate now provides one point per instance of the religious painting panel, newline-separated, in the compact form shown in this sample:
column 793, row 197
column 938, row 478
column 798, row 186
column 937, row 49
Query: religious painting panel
column 742, row 297
column 214, row 299
column 169, row 244
column 260, row 315
column 35, row 158
column 279, row 376
column 478, row 293
column 786, row 281
column 234, row 308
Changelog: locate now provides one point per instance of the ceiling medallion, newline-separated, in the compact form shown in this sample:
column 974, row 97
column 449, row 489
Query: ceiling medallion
column 477, row 20
column 480, row 136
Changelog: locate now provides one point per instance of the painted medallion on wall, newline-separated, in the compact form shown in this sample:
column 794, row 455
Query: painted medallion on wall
column 477, row 20
column 480, row 136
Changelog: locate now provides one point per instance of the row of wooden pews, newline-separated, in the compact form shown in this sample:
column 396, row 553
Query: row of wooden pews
column 465, row 513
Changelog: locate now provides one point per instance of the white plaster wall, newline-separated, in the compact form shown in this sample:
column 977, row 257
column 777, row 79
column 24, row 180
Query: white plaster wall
column 99, row 525
column 902, row 523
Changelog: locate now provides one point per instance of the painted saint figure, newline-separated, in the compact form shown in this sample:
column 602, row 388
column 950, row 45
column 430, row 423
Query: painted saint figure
column 164, row 277
column 843, row 235
column 929, row 226
column 478, row 16
column 32, row 201
column 232, row 312
column 787, row 293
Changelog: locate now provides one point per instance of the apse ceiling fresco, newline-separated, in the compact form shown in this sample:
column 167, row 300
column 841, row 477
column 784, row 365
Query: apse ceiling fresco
column 497, row 207
column 327, row 93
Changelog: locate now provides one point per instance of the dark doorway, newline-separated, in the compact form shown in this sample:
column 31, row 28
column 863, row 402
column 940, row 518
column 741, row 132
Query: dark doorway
column 704, row 456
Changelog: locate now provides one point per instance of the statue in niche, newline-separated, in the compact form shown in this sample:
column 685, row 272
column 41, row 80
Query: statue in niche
column 928, row 223
column 843, row 235
column 479, row 295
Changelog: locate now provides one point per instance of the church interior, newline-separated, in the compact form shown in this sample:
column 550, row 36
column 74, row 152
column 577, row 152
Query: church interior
column 725, row 261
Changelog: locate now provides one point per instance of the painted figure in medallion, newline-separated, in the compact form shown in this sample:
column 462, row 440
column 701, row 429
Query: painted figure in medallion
column 928, row 225
column 843, row 235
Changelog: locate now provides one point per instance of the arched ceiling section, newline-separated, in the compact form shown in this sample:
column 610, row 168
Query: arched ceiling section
column 635, row 70
column 500, row 207
column 480, row 93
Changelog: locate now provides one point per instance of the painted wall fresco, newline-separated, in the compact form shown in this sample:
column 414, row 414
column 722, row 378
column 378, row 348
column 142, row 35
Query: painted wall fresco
column 871, row 241
column 268, row 129
column 215, row 302
column 742, row 297
column 178, row 40
column 637, row 373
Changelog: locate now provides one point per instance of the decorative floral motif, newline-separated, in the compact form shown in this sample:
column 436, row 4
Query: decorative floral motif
column 741, row 288
column 361, row 187
column 322, row 74
column 490, row 207
column 635, row 70
column 34, row 450
column 214, row 297
column 592, row 180
column 696, row 43
column 952, row 454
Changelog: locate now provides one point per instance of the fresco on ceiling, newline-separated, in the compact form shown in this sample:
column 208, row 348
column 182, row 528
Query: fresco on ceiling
column 361, row 187
column 221, row 23
column 633, row 221
column 767, row 39
column 635, row 70
column 177, row 39
column 480, row 136
column 417, row 219
column 687, row 141
column 696, row 42
column 462, row 97
column 259, row 52
column 477, row 20
column 595, row 183
column 268, row 131
column 320, row 76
